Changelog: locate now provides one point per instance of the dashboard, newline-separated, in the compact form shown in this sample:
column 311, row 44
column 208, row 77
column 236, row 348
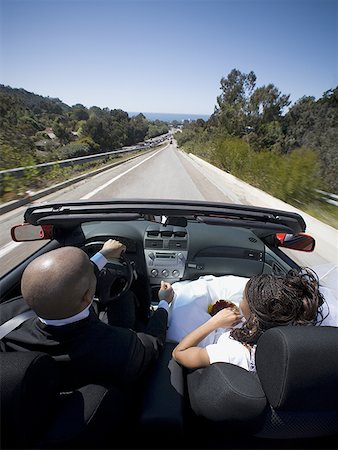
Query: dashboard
column 176, row 253
column 166, row 252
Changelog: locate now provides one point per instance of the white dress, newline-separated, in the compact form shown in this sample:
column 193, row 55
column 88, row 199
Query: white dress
column 231, row 351
column 189, row 310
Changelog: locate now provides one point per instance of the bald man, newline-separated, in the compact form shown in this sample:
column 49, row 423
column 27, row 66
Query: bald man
column 59, row 286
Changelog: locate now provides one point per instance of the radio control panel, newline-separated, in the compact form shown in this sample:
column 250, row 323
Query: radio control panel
column 166, row 252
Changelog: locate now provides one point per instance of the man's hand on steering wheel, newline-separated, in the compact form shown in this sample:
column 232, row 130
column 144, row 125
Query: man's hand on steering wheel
column 112, row 249
column 117, row 275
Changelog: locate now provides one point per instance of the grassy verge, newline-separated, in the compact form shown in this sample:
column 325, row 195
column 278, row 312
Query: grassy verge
column 291, row 178
column 324, row 212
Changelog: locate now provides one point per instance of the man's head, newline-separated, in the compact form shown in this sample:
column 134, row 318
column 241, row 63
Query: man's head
column 59, row 284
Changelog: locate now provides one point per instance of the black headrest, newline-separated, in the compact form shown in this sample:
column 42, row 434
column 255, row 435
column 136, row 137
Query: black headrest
column 298, row 367
column 225, row 392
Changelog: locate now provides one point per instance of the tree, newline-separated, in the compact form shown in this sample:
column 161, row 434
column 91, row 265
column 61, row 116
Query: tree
column 299, row 120
column 138, row 128
column 156, row 128
column 267, row 103
column 79, row 112
column 61, row 132
column 313, row 124
column 94, row 129
column 232, row 109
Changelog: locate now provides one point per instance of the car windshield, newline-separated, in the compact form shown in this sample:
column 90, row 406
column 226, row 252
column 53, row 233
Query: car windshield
column 222, row 101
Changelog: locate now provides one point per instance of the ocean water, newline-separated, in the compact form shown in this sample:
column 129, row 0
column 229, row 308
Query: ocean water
column 169, row 117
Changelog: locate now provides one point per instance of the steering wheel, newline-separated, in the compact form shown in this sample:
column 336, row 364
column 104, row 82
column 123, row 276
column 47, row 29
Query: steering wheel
column 115, row 278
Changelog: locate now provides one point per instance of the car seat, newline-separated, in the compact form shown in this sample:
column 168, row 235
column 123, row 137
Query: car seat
column 28, row 383
column 293, row 395
column 34, row 414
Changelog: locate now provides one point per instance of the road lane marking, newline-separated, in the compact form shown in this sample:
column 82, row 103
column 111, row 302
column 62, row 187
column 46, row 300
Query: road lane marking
column 95, row 191
column 8, row 248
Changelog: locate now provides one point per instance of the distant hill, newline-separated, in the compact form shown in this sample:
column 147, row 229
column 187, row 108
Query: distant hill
column 34, row 102
column 37, row 129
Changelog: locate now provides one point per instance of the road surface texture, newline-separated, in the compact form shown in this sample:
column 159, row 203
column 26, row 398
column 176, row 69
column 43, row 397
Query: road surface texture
column 167, row 174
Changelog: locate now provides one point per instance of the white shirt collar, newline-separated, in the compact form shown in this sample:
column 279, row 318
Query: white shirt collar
column 57, row 323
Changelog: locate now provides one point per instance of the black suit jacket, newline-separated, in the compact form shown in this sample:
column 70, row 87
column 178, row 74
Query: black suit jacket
column 88, row 351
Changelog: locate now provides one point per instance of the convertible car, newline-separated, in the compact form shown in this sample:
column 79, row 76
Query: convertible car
column 292, row 400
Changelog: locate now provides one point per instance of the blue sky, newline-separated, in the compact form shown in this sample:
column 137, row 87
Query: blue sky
column 166, row 55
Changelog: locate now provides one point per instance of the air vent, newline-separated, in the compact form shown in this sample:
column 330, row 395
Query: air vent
column 252, row 239
column 166, row 233
column 180, row 233
column 177, row 244
column 154, row 243
column 153, row 233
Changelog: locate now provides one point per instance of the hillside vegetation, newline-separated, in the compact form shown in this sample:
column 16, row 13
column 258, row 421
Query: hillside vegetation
column 36, row 129
column 290, row 156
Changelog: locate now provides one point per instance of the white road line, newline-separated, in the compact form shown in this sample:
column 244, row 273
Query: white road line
column 95, row 191
column 8, row 248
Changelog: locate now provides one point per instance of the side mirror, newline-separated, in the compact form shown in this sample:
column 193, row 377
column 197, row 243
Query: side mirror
column 27, row 232
column 302, row 242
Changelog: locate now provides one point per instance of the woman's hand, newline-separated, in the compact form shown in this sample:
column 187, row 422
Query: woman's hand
column 226, row 318
column 187, row 351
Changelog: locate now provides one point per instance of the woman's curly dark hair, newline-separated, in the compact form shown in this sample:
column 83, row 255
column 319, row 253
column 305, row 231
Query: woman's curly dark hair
column 292, row 299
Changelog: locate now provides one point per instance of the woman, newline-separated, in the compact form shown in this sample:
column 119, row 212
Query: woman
column 268, row 301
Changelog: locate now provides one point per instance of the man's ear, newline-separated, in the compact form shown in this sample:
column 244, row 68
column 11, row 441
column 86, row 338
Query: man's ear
column 87, row 297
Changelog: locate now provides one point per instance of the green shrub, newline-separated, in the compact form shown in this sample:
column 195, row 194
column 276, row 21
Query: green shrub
column 292, row 177
column 233, row 154
column 73, row 150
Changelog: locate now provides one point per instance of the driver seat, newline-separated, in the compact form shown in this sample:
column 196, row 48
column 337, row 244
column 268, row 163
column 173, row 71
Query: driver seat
column 34, row 414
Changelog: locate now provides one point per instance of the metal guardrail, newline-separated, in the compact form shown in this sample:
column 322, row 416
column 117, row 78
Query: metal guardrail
column 19, row 171
column 32, row 196
column 328, row 197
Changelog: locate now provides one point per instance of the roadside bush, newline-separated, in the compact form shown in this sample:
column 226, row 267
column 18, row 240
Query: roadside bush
column 300, row 177
column 185, row 137
column 30, row 178
column 73, row 150
column 291, row 177
column 232, row 154
column 10, row 187
column 57, row 174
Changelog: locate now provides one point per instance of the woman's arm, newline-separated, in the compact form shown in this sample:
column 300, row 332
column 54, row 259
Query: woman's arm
column 188, row 354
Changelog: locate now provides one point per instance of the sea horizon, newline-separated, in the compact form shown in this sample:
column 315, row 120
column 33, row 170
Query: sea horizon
column 169, row 117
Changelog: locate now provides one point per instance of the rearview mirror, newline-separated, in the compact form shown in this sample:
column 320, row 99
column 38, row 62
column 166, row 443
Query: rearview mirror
column 176, row 221
column 27, row 232
column 302, row 242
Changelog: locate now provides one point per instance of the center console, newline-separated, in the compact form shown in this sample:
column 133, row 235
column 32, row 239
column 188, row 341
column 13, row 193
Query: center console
column 165, row 251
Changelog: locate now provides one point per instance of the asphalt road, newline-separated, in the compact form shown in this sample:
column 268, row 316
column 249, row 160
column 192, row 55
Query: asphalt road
column 163, row 174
